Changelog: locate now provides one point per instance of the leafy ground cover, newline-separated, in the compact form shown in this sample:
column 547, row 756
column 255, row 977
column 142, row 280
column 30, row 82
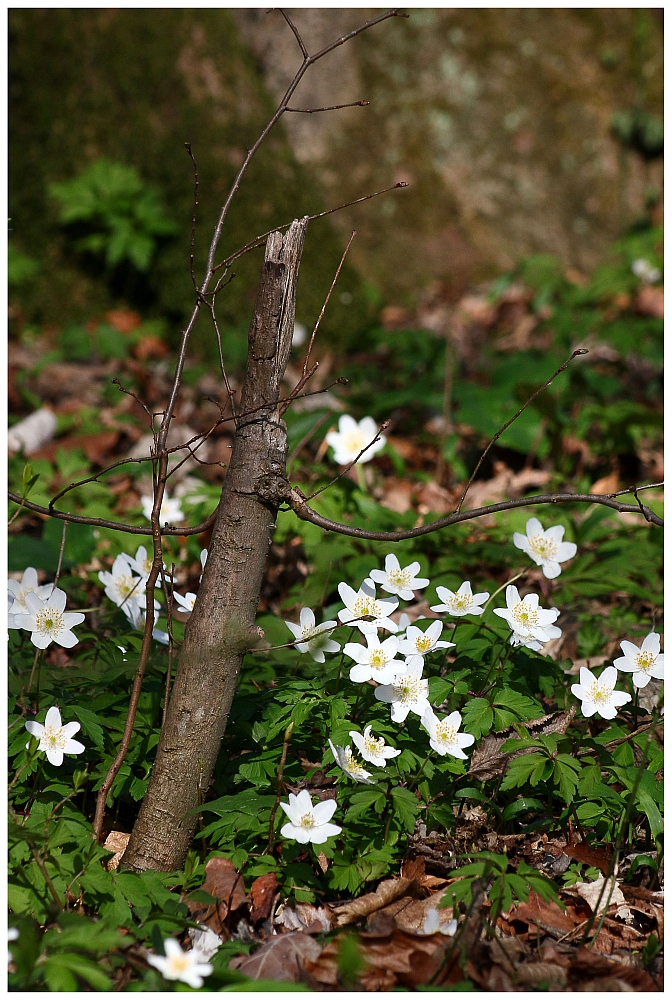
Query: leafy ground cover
column 508, row 806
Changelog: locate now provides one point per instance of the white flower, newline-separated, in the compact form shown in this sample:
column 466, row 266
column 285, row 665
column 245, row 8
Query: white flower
column 204, row 559
column 170, row 513
column 313, row 639
column 141, row 563
column 12, row 935
column 376, row 661
column 528, row 622
column 351, row 766
column 372, row 748
column 186, row 603
column 27, row 585
column 643, row 663
column 443, row 734
column 186, row 966
column 160, row 636
column 461, row 603
column 120, row 585
column 433, row 925
column 396, row 580
column 416, row 644
column 308, row 823
column 363, row 604
column 407, row 692
column 205, row 940
column 545, row 548
column 599, row 695
column 352, row 437
column 55, row 739
column 48, row 620
column 645, row 271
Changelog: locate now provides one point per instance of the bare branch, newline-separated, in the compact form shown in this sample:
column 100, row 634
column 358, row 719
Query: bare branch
column 322, row 311
column 343, row 472
column 333, row 107
column 304, row 50
column 101, row 522
column 258, row 240
column 193, row 217
column 509, row 422
column 303, row 511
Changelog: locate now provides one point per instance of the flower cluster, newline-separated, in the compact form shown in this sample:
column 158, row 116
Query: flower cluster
column 395, row 663
column 41, row 611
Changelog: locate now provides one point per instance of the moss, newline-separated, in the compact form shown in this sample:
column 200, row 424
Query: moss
column 134, row 85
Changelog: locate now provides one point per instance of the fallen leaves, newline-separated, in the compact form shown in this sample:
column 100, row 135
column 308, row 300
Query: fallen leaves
column 282, row 958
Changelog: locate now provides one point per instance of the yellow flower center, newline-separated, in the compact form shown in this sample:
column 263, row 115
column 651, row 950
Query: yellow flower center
column 446, row 733
column 354, row 442
column 423, row 643
column 407, row 689
column 544, row 547
column 179, row 963
column 645, row 660
column 366, row 606
column 374, row 745
column 460, row 601
column 400, row 577
column 599, row 692
column 49, row 620
column 125, row 584
column 53, row 738
column 378, row 658
column 524, row 614
column 307, row 820
column 353, row 766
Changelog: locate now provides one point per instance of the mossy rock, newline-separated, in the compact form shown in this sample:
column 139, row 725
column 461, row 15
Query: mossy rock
column 134, row 86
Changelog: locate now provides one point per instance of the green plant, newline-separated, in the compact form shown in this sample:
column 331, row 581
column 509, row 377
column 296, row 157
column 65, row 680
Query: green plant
column 122, row 217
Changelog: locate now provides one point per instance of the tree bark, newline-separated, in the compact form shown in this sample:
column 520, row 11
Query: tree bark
column 221, row 628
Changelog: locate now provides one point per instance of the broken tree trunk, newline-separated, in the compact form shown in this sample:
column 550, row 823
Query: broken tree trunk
column 221, row 628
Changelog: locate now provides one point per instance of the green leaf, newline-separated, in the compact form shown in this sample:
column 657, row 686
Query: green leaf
column 477, row 717
column 406, row 806
column 646, row 803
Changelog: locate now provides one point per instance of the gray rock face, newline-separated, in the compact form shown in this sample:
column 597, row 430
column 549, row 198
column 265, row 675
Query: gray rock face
column 498, row 117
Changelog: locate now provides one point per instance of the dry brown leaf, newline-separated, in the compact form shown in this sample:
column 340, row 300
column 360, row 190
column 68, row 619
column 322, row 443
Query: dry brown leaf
column 123, row 320
column 433, row 498
column 598, row 857
column 390, row 959
column 487, row 760
column 355, row 909
column 262, row 893
column 224, row 883
column 587, row 966
column 282, row 958
column 539, row 914
column 149, row 346
column 397, row 495
column 650, row 301
column 411, row 918
column 116, row 841
column 607, row 484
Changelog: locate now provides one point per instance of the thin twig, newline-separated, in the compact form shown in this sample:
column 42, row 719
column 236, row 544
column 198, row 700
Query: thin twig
column 333, row 107
column 187, row 146
column 281, row 771
column 383, row 427
column 258, row 240
column 508, row 423
column 60, row 556
column 296, row 450
column 322, row 311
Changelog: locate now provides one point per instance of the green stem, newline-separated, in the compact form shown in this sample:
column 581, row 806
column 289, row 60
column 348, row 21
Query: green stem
column 418, row 775
column 361, row 479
